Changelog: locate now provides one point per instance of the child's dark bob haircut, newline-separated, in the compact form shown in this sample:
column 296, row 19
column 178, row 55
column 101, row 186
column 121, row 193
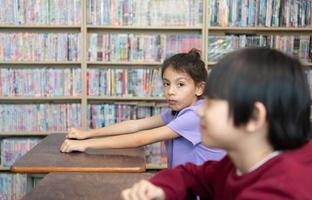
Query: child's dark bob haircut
column 189, row 63
column 265, row 75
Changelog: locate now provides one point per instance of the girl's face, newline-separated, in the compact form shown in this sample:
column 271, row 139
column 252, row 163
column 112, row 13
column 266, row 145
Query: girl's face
column 180, row 89
column 217, row 127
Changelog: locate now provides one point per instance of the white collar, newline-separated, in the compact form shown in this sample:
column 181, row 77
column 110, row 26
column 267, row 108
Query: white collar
column 260, row 163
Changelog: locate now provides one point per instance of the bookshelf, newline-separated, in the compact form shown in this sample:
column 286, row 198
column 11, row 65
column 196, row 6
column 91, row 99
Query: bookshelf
column 19, row 23
column 285, row 25
column 133, row 31
column 82, row 25
column 86, row 24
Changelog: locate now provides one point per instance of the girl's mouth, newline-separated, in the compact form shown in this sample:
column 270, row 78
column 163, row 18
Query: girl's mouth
column 172, row 102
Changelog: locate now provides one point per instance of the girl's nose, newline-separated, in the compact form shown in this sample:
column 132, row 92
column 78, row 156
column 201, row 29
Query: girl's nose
column 171, row 90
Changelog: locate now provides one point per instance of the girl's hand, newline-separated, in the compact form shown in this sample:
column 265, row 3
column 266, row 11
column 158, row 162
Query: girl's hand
column 143, row 190
column 72, row 145
column 74, row 133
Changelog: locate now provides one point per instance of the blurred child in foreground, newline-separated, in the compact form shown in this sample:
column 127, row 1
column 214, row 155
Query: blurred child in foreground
column 257, row 107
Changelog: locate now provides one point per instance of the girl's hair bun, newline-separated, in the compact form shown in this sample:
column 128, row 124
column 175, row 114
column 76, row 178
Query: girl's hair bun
column 194, row 53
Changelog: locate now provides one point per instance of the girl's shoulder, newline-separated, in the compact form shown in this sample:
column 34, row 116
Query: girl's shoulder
column 168, row 115
column 194, row 108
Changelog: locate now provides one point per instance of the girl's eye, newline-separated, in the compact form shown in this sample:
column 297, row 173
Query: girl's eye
column 165, row 84
column 181, row 84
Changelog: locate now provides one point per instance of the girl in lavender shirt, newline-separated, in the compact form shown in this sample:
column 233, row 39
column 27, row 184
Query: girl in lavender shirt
column 184, row 76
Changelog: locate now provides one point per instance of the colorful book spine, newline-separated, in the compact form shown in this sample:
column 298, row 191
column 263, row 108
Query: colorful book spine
column 40, row 12
column 39, row 117
column 145, row 12
column 258, row 13
column 139, row 47
column 141, row 82
column 33, row 46
column 39, row 82
column 13, row 149
column 299, row 46
column 12, row 186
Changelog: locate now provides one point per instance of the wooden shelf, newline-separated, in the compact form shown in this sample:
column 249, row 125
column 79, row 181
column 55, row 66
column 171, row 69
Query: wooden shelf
column 4, row 168
column 120, row 98
column 40, row 63
column 39, row 98
column 265, row 29
column 34, row 26
column 124, row 63
column 304, row 63
column 162, row 28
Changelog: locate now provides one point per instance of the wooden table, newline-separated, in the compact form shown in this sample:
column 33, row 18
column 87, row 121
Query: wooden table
column 46, row 157
column 93, row 186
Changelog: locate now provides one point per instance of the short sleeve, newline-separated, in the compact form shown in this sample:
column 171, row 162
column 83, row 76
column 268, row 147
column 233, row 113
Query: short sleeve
column 166, row 115
column 187, row 126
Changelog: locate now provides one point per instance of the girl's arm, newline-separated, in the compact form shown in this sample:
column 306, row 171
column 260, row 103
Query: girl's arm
column 125, row 127
column 136, row 139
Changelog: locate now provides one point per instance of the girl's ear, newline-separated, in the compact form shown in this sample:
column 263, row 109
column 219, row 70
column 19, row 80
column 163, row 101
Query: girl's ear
column 200, row 87
column 258, row 120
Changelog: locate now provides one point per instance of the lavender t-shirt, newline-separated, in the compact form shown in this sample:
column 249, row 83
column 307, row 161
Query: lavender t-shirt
column 188, row 147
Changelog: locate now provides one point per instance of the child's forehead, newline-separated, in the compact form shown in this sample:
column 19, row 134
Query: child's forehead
column 176, row 75
column 176, row 71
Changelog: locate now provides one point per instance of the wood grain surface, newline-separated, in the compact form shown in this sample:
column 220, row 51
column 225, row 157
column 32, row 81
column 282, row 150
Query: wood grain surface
column 84, row 186
column 46, row 157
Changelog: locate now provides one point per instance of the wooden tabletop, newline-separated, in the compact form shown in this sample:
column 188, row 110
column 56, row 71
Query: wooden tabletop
column 83, row 186
column 46, row 157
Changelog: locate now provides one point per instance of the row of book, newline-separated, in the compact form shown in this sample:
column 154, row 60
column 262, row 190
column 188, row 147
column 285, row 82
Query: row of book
column 36, row 46
column 145, row 12
column 60, row 117
column 139, row 46
column 124, row 82
column 12, row 186
column 289, row 13
column 156, row 154
column 269, row 13
column 39, row 82
column 13, row 149
column 298, row 46
column 101, row 115
column 136, row 47
column 101, row 81
column 39, row 117
column 43, row 12
column 56, row 82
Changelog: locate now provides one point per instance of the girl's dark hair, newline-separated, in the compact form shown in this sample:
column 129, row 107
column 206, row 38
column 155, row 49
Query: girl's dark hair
column 273, row 78
column 189, row 63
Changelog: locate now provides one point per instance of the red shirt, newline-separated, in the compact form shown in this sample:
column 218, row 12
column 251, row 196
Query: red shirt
column 286, row 176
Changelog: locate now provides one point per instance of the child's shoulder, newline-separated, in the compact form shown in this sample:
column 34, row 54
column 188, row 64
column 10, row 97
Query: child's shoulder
column 194, row 107
column 301, row 154
column 295, row 169
column 297, row 161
